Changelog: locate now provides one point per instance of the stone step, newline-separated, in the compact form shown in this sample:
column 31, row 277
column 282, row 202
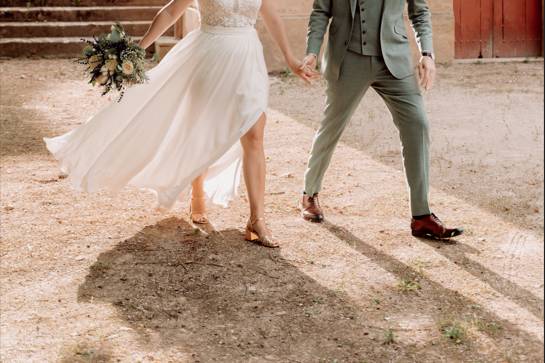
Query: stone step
column 71, row 29
column 50, row 47
column 71, row 13
column 31, row 3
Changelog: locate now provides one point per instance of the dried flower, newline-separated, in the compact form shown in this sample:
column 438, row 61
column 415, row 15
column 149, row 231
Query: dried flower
column 128, row 67
column 102, row 79
column 94, row 61
column 111, row 64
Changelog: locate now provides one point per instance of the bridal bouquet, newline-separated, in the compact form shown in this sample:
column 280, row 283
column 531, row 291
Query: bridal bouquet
column 114, row 61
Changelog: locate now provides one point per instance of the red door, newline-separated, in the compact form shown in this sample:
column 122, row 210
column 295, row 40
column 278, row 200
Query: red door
column 498, row 28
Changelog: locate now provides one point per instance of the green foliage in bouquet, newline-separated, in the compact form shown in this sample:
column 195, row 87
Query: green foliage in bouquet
column 114, row 61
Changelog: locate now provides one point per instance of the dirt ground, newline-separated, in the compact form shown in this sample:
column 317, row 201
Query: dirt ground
column 104, row 278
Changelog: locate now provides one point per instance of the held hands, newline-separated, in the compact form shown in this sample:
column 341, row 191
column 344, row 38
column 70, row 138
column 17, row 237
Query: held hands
column 426, row 72
column 309, row 62
column 304, row 70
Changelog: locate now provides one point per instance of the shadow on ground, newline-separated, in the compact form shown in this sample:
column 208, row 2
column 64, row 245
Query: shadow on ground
column 22, row 124
column 516, row 293
column 220, row 298
column 17, row 135
column 452, row 306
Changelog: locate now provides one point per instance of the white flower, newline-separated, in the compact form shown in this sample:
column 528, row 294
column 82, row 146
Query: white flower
column 128, row 67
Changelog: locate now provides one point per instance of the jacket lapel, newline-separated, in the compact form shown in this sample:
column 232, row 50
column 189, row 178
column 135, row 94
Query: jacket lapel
column 385, row 5
column 353, row 7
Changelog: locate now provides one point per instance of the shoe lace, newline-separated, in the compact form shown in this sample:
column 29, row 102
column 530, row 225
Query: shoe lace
column 314, row 200
column 439, row 222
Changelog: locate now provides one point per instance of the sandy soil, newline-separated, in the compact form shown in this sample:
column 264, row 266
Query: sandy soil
column 103, row 278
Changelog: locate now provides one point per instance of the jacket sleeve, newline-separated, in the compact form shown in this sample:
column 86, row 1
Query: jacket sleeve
column 317, row 27
column 420, row 16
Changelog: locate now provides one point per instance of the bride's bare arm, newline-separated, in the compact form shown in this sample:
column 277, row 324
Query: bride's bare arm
column 164, row 19
column 276, row 28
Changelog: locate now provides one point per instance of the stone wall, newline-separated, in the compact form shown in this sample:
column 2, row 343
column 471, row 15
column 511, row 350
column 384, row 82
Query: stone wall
column 295, row 14
column 443, row 29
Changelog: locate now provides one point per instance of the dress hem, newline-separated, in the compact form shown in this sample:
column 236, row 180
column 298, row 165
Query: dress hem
column 54, row 150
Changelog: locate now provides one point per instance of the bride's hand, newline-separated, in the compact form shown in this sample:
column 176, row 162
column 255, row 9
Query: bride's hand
column 304, row 73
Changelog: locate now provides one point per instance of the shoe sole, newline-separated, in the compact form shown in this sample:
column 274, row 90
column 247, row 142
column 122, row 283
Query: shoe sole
column 313, row 220
column 310, row 219
column 259, row 243
column 430, row 236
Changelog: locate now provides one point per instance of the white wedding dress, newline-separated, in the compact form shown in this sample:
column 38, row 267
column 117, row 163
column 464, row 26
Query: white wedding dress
column 207, row 92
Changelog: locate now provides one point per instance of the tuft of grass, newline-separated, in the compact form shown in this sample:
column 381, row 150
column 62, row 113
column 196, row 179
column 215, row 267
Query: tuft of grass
column 389, row 337
column 454, row 332
column 490, row 328
column 420, row 266
column 285, row 74
column 408, row 285
column 84, row 352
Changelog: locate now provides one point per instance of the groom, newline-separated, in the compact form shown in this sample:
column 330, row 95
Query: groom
column 368, row 47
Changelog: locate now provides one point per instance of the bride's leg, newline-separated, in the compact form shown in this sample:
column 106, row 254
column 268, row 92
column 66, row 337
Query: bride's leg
column 254, row 167
column 198, row 201
column 254, row 175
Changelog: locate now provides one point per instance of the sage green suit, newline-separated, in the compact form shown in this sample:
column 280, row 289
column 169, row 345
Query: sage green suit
column 350, row 74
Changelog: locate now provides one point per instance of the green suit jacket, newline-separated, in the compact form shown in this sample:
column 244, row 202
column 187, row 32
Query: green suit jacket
column 393, row 36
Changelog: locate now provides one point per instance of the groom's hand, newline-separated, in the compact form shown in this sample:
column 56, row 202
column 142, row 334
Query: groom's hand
column 309, row 63
column 299, row 70
column 426, row 72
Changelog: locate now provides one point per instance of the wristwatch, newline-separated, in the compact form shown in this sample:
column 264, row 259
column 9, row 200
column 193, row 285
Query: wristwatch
column 428, row 54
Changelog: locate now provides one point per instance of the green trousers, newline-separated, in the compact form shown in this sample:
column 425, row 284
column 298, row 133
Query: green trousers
column 404, row 100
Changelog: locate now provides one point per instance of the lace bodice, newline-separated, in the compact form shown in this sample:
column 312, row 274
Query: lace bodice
column 229, row 13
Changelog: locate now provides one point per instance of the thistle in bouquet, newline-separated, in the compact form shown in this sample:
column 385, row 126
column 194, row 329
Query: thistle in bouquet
column 114, row 61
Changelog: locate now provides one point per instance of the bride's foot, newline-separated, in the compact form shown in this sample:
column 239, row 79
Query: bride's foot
column 197, row 210
column 257, row 232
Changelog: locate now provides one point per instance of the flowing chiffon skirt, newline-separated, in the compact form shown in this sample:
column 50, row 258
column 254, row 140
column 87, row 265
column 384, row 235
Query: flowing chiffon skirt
column 206, row 93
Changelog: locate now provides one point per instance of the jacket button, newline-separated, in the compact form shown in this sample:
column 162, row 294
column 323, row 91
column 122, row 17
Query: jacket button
column 346, row 43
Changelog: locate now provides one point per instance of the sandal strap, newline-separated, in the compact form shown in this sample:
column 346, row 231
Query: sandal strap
column 254, row 221
column 200, row 206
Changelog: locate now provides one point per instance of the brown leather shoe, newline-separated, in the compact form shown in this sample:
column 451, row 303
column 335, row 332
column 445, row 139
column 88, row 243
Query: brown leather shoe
column 432, row 227
column 310, row 209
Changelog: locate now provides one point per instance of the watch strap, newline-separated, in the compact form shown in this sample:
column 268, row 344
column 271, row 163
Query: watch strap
column 428, row 54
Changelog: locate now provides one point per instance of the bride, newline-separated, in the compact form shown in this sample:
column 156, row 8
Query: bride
column 198, row 118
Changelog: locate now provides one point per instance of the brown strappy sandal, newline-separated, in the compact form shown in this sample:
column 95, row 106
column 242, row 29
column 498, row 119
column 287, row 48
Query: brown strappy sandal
column 197, row 210
column 253, row 236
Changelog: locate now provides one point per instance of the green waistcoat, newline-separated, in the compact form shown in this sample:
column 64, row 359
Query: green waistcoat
column 365, row 38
